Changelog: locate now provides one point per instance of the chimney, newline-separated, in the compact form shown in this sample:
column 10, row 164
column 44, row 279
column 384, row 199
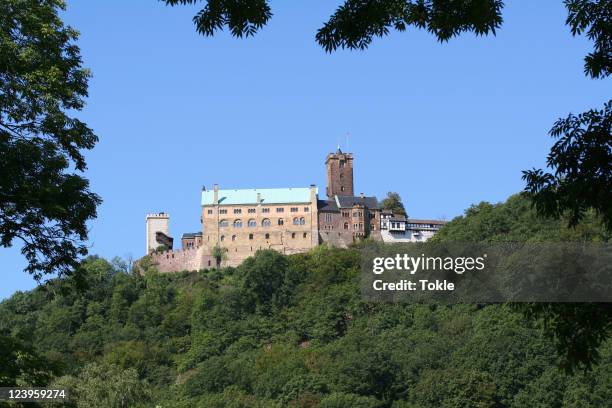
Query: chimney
column 313, row 193
column 361, row 195
column 258, row 198
column 216, row 194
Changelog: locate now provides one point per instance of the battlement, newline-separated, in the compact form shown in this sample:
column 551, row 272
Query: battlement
column 158, row 215
column 188, row 259
column 172, row 252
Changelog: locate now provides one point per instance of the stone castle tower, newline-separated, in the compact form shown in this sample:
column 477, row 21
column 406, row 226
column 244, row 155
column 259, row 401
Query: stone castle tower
column 339, row 167
column 157, row 224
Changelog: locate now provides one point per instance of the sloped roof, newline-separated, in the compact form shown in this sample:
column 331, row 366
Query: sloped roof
column 415, row 221
column 327, row 205
column 191, row 234
column 349, row 201
column 267, row 196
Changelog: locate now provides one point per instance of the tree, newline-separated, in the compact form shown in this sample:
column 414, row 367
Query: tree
column 161, row 248
column 100, row 385
column 263, row 275
column 582, row 163
column 356, row 22
column 43, row 203
column 582, row 157
column 220, row 254
column 394, row 203
column 21, row 365
column 578, row 329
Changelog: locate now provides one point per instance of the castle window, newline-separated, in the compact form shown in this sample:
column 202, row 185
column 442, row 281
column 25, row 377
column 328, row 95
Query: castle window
column 294, row 209
column 305, row 235
column 280, row 209
column 238, row 224
column 265, row 210
column 341, row 164
column 252, row 223
column 342, row 188
column 293, row 235
column 223, row 211
column 346, row 214
column 266, row 222
column 251, row 237
column 222, row 238
column 296, row 221
column 306, row 209
column 267, row 236
column 251, row 211
column 223, row 223
column 210, row 212
column 237, row 211
column 281, row 221
column 233, row 237
column 302, row 221
column 328, row 217
column 346, row 225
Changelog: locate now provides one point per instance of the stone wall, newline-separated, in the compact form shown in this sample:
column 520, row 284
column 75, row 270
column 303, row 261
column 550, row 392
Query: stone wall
column 192, row 259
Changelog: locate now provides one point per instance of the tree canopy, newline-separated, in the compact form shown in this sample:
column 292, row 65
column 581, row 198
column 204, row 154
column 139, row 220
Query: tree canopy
column 578, row 329
column 393, row 202
column 45, row 201
column 305, row 338
column 355, row 23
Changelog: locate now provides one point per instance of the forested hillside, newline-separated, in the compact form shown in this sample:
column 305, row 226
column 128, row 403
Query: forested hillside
column 291, row 331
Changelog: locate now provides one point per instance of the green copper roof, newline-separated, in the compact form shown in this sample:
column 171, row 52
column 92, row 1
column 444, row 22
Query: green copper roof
column 267, row 196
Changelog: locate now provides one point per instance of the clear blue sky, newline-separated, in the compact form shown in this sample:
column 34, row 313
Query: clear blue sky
column 445, row 125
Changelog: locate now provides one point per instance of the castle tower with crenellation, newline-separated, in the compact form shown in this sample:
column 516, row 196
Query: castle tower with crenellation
column 339, row 168
column 158, row 227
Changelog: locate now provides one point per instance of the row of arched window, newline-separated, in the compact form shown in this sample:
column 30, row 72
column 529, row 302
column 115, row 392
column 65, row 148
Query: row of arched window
column 251, row 236
column 266, row 222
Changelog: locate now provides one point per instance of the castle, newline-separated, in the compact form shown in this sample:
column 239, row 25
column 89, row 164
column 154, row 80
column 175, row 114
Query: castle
column 236, row 223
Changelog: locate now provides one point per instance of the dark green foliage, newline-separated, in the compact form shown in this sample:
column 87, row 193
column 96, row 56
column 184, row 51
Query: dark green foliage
column 578, row 330
column 242, row 17
column 581, row 159
column 42, row 203
column 356, row 22
column 21, row 365
column 393, row 202
column 582, row 163
column 228, row 338
column 595, row 18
